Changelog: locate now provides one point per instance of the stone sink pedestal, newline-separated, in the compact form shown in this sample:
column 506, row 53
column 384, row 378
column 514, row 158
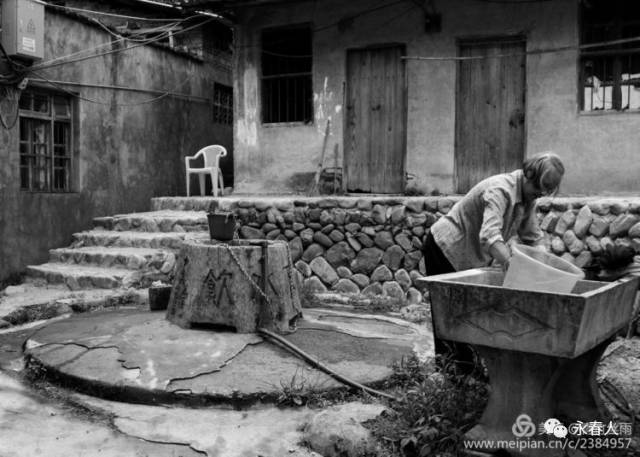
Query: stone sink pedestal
column 541, row 349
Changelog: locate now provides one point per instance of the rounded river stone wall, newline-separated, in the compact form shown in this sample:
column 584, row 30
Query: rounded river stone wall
column 351, row 245
column 373, row 245
column 580, row 229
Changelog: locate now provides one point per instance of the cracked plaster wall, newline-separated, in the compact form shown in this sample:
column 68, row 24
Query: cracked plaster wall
column 123, row 155
column 271, row 157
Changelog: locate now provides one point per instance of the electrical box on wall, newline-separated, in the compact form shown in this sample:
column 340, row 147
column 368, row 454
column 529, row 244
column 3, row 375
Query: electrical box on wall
column 23, row 28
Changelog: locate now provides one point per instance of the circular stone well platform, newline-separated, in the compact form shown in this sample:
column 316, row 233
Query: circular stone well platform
column 140, row 356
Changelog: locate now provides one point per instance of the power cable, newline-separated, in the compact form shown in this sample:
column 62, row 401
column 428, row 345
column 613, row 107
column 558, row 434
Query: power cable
column 308, row 56
column 102, row 13
column 111, row 43
column 532, row 52
column 332, row 24
column 513, row 2
column 163, row 94
column 113, row 51
column 13, row 96
column 161, row 31
column 16, row 68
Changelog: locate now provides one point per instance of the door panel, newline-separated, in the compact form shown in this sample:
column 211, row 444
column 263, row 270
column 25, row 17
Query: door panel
column 375, row 120
column 490, row 109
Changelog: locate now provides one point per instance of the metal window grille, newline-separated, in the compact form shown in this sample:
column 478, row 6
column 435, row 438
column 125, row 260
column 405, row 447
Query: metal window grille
column 610, row 74
column 287, row 93
column 222, row 104
column 45, row 142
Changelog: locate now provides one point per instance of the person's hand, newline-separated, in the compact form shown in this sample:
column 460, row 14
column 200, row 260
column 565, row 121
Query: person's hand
column 501, row 253
column 505, row 264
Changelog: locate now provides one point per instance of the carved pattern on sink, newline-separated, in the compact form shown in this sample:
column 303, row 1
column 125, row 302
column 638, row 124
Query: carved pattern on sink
column 512, row 322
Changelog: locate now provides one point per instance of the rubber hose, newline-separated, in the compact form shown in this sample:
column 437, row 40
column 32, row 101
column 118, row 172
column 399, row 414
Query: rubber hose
column 317, row 364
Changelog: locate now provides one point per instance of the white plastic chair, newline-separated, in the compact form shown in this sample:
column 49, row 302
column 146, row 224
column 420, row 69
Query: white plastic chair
column 211, row 167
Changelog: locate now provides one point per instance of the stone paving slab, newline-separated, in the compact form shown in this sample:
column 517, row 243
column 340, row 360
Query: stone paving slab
column 82, row 276
column 125, row 257
column 135, row 239
column 157, row 221
column 141, row 355
column 77, row 277
column 264, row 431
column 29, row 302
column 34, row 425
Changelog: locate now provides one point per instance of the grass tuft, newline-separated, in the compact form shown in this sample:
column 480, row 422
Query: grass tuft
column 436, row 405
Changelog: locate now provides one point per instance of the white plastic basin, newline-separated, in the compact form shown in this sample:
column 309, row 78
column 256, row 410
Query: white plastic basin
column 532, row 269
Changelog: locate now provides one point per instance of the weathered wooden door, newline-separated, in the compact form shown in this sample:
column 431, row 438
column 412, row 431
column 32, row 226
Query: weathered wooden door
column 375, row 129
column 490, row 107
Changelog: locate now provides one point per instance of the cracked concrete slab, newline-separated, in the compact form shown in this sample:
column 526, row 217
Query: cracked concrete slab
column 37, row 426
column 149, row 351
column 30, row 302
column 141, row 350
column 267, row 431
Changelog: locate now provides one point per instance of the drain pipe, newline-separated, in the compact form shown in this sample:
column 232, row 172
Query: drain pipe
column 317, row 364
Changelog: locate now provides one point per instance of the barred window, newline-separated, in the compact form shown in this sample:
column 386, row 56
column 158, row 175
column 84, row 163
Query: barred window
column 610, row 74
column 45, row 142
column 222, row 104
column 287, row 94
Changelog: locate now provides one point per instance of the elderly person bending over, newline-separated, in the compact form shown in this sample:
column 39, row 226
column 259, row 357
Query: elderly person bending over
column 476, row 230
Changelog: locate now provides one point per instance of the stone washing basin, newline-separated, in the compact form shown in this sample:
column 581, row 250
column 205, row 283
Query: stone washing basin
column 472, row 307
column 540, row 349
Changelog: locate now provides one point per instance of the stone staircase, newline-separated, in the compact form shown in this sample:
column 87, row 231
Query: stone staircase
column 113, row 263
column 127, row 250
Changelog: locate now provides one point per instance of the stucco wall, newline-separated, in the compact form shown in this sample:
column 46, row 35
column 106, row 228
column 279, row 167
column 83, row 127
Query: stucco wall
column 127, row 152
column 269, row 157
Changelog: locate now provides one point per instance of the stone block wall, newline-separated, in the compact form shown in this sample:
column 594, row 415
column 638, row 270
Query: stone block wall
column 346, row 244
column 580, row 229
column 373, row 245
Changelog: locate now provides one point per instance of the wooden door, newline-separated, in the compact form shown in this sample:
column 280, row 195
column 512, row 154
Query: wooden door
column 375, row 129
column 490, row 107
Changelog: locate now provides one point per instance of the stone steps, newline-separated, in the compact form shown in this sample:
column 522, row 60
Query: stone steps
column 118, row 257
column 125, row 250
column 109, row 265
column 155, row 221
column 77, row 277
column 134, row 239
column 184, row 203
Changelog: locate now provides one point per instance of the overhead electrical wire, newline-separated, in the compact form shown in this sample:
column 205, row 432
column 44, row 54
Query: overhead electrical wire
column 162, row 93
column 20, row 71
column 12, row 95
column 333, row 24
column 307, row 56
column 166, row 29
column 577, row 47
column 513, row 2
column 114, row 51
column 103, row 13
column 103, row 45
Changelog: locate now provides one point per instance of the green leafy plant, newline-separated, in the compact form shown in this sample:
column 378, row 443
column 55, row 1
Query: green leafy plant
column 435, row 406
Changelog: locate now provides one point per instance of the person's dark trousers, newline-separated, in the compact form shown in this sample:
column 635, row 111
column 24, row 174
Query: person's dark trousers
column 436, row 263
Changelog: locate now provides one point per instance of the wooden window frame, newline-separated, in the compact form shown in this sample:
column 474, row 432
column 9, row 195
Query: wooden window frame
column 606, row 73
column 46, row 166
column 222, row 104
column 287, row 96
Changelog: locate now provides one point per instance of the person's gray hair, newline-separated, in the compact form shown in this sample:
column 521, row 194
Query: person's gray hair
column 545, row 170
